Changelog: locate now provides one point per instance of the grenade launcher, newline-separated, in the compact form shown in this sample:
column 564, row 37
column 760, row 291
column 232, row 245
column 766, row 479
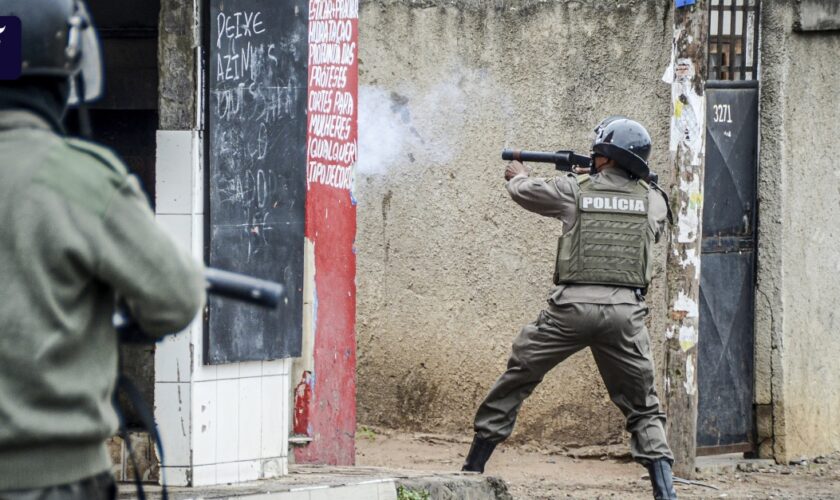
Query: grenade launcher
column 563, row 160
column 225, row 284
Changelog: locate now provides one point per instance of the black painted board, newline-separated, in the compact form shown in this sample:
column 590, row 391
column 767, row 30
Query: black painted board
column 256, row 120
column 725, row 365
column 731, row 146
column 725, row 359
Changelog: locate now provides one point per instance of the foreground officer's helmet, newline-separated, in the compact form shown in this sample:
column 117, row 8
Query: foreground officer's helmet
column 59, row 40
column 626, row 141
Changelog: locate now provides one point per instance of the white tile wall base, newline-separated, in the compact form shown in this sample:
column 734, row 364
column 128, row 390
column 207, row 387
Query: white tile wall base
column 179, row 227
column 276, row 367
column 204, row 423
column 204, row 475
column 275, row 410
column 227, row 473
column 275, row 467
column 250, row 418
column 249, row 471
column 176, row 476
column 240, row 421
column 175, row 173
column 172, row 358
column 380, row 490
column 172, row 408
column 239, row 472
column 226, row 423
column 202, row 372
column 250, row 369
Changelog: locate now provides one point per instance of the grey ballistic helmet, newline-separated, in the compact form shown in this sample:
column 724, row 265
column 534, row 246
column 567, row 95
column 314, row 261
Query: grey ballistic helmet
column 59, row 40
column 626, row 141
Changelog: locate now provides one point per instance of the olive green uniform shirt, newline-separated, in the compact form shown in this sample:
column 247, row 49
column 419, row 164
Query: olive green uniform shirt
column 75, row 230
column 556, row 198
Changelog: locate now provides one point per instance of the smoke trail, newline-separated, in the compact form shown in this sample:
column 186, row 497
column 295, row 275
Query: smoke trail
column 422, row 127
column 381, row 135
column 396, row 129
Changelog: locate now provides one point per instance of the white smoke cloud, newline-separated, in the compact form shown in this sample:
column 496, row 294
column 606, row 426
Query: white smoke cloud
column 410, row 126
column 382, row 135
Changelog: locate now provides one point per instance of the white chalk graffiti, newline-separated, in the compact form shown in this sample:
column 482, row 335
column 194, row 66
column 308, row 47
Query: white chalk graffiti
column 237, row 25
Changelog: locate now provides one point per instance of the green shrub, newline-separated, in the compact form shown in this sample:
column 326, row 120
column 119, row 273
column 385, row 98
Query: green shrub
column 404, row 493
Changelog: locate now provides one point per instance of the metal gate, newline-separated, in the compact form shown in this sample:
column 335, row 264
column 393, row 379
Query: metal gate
column 726, row 420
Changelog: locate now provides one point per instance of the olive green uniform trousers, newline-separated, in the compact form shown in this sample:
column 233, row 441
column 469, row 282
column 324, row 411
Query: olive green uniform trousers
column 620, row 344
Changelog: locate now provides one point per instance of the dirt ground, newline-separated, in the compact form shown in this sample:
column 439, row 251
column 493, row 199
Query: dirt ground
column 594, row 472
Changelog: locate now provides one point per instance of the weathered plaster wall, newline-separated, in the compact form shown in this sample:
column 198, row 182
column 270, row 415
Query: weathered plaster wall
column 177, row 41
column 769, row 304
column 798, row 289
column 449, row 268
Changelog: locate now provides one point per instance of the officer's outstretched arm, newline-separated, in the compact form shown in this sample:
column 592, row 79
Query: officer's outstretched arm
column 162, row 285
column 548, row 197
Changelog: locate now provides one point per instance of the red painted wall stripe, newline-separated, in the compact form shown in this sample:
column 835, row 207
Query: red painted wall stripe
column 325, row 404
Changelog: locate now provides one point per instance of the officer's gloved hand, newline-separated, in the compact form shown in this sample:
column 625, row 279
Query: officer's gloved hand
column 515, row 168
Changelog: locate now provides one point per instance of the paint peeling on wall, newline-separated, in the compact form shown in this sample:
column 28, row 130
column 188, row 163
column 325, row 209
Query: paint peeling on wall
column 692, row 258
column 685, row 304
column 303, row 396
column 689, row 214
column 690, row 383
column 688, row 337
column 689, row 107
column 687, row 147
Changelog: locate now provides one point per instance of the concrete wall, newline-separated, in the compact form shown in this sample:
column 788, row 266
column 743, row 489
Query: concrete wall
column 799, row 258
column 449, row 268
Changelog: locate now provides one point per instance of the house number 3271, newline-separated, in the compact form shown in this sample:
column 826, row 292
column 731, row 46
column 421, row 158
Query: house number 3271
column 723, row 113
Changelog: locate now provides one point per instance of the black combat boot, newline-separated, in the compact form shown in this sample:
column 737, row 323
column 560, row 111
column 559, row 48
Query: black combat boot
column 480, row 452
column 662, row 480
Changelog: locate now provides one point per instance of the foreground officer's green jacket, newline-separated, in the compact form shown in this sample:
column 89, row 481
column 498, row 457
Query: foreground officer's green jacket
column 75, row 229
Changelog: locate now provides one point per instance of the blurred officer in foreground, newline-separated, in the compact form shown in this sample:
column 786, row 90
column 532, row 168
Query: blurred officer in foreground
column 76, row 233
column 610, row 222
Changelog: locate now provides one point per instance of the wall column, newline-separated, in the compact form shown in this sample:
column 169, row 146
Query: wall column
column 687, row 76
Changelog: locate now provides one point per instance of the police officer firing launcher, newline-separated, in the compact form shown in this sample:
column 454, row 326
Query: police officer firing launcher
column 610, row 219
